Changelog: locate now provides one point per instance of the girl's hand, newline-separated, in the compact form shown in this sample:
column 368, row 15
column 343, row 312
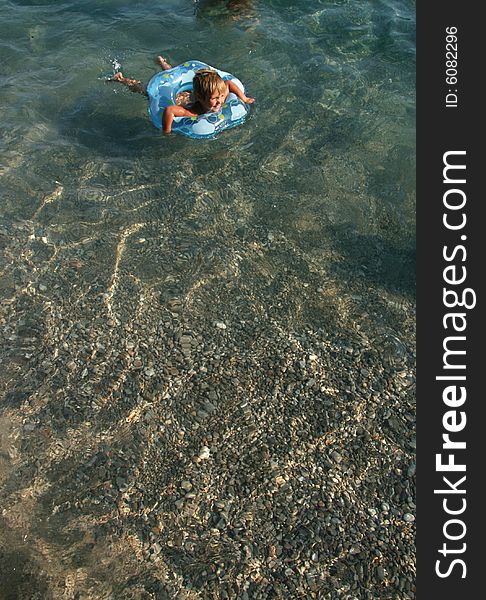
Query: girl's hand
column 232, row 87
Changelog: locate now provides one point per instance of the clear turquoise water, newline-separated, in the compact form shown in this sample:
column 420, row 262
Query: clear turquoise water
column 325, row 163
column 307, row 210
column 331, row 136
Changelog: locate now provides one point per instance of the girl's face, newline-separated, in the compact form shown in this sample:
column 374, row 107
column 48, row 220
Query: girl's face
column 216, row 101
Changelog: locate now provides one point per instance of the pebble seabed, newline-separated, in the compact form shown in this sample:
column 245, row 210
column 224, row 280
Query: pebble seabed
column 218, row 440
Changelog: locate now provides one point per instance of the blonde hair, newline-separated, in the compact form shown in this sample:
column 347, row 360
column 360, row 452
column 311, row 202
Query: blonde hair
column 205, row 83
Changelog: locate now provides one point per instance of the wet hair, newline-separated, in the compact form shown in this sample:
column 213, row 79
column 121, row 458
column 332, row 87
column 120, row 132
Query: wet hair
column 205, row 83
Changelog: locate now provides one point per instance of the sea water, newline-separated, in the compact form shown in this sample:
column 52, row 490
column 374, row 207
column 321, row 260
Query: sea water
column 326, row 158
column 307, row 211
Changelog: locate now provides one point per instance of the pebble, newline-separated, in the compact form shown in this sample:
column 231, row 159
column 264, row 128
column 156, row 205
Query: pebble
column 298, row 425
column 204, row 453
column 336, row 456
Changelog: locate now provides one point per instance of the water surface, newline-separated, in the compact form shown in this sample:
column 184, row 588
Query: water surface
column 118, row 242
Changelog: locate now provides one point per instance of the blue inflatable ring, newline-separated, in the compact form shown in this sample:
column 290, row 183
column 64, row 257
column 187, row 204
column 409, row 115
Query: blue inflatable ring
column 163, row 88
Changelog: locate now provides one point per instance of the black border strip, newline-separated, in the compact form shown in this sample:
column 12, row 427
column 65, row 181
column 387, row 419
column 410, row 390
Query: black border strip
column 449, row 127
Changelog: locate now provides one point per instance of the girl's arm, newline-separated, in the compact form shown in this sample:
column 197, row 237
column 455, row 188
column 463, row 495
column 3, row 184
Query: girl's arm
column 174, row 111
column 236, row 90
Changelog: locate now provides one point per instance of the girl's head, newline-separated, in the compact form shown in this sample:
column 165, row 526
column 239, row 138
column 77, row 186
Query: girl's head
column 209, row 89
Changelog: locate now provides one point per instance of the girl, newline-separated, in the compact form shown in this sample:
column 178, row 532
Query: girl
column 209, row 93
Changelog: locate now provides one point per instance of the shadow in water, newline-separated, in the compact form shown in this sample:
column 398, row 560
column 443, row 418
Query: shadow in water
column 97, row 123
column 20, row 577
column 384, row 263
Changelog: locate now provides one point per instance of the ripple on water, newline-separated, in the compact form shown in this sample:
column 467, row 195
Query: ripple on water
column 253, row 295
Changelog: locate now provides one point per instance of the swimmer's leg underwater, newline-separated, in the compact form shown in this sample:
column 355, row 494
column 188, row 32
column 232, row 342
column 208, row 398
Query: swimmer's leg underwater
column 135, row 85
